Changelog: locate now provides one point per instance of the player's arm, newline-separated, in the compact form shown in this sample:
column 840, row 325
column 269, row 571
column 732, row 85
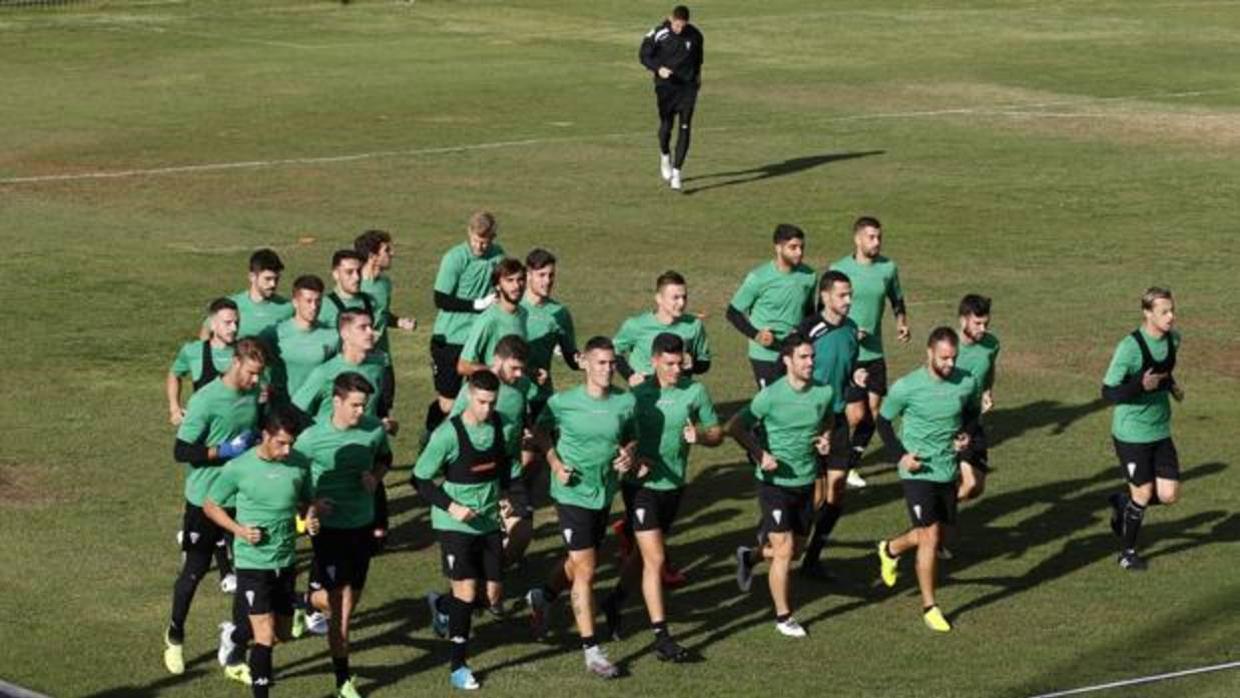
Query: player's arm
column 568, row 342
column 470, row 361
column 446, row 281
column 738, row 309
column 895, row 295
column 648, row 52
column 699, row 351
column 439, row 452
column 893, row 407
column 172, row 388
column 1124, row 381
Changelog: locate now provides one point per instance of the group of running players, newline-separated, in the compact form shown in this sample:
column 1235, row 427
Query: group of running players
column 289, row 431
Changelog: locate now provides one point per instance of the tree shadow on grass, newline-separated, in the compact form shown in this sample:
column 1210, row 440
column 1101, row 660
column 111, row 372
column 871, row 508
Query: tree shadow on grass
column 774, row 169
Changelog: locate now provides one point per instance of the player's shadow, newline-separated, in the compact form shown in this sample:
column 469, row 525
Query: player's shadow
column 1010, row 422
column 194, row 670
column 774, row 169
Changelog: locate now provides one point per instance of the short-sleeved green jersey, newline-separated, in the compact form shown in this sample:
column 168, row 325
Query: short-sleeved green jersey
column 329, row 312
column 267, row 494
column 188, row 361
column 492, row 325
column 297, row 352
column 662, row 414
column 978, row 359
column 775, row 300
column 338, row 458
column 932, row 412
column 254, row 317
column 791, row 419
column 835, row 355
column 548, row 325
column 314, row 397
column 215, row 414
column 635, row 336
column 589, row 434
column 1147, row 418
column 467, row 277
column 873, row 284
column 380, row 291
column 483, row 497
column 511, row 404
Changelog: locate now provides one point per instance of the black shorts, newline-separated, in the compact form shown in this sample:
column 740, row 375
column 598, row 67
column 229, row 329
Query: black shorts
column 976, row 454
column 1142, row 463
column 766, row 372
column 930, row 502
column 471, row 556
column 443, row 366
column 341, row 557
column 785, row 509
column 582, row 528
column 875, row 381
column 519, row 495
column 199, row 532
column 650, row 510
column 267, row 591
column 676, row 100
column 840, row 455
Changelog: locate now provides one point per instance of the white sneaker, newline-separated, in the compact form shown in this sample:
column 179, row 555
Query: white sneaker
column 226, row 643
column 665, row 167
column 228, row 584
column 675, row 181
column 316, row 623
column 855, row 480
column 790, row 628
column 599, row 665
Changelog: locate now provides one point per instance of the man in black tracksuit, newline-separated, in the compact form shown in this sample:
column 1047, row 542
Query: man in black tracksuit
column 673, row 52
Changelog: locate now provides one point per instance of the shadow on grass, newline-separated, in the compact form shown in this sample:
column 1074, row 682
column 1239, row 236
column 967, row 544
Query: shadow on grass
column 774, row 169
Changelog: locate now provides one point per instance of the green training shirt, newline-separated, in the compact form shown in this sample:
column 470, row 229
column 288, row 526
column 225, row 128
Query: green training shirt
column 338, row 458
column 1148, row 418
column 329, row 314
column 467, row 277
column 589, row 434
column 297, row 352
column 547, row 326
column 492, row 325
column 873, row 284
column 933, row 411
column 188, row 361
column 978, row 359
column 662, row 414
column 314, row 397
column 267, row 495
column 215, row 414
column 835, row 355
column 483, row 497
column 634, row 338
column 511, row 404
column 792, row 419
column 777, row 301
column 380, row 291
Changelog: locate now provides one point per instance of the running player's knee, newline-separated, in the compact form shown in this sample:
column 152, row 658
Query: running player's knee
column 1168, row 495
column 781, row 545
column 930, row 535
column 654, row 560
column 465, row 594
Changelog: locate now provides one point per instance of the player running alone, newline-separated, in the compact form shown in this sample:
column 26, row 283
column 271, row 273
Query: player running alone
column 673, row 53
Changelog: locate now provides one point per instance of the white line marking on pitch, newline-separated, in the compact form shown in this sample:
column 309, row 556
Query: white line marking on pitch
column 1019, row 110
column 1141, row 680
column 15, row 691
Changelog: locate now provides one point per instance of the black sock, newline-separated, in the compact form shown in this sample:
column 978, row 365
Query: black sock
column 860, row 438
column 926, row 609
column 887, row 549
column 193, row 567
column 460, row 614
column 782, row 617
column 660, row 631
column 549, row 594
column 223, row 560
column 242, row 633
column 260, row 670
column 434, row 416
column 588, row 641
column 444, row 604
column 176, row 633
column 617, row 595
column 682, row 143
column 340, row 665
column 1133, row 514
column 827, row 519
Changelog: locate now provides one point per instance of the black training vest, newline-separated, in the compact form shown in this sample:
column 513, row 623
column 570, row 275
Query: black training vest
column 209, row 372
column 1167, row 365
column 335, row 299
column 473, row 467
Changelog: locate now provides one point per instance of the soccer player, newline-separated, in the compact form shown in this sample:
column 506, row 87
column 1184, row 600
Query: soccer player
column 348, row 293
column 673, row 413
column 633, row 340
column 505, row 317
column 673, row 52
column 202, row 361
column 834, row 338
column 591, row 434
column 470, row 452
column 875, row 281
column 1140, row 382
column 938, row 406
column 549, row 327
column 259, row 305
column 376, row 247
column 271, row 484
column 221, row 422
column 979, row 352
column 795, row 414
column 772, row 301
column 516, row 392
column 349, row 455
column 301, row 343
column 463, row 288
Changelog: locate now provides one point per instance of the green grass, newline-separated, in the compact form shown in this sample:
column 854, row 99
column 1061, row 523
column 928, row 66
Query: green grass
column 1058, row 156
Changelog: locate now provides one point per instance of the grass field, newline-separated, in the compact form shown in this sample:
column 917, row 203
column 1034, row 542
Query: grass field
column 1058, row 156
